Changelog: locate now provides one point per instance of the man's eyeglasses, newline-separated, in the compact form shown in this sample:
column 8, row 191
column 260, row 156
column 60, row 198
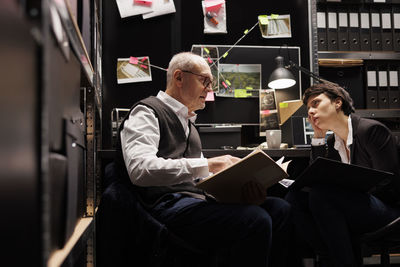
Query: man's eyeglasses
column 207, row 82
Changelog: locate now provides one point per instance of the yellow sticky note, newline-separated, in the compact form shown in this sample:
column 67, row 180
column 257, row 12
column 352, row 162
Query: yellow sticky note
column 224, row 56
column 246, row 31
column 206, row 49
column 249, row 87
column 228, row 82
column 263, row 19
column 241, row 93
column 274, row 16
column 283, row 105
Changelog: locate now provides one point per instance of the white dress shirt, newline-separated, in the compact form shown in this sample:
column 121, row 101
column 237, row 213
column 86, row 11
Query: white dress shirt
column 140, row 139
column 339, row 145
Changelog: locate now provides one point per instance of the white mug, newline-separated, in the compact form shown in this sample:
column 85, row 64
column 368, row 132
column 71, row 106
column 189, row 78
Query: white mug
column 273, row 138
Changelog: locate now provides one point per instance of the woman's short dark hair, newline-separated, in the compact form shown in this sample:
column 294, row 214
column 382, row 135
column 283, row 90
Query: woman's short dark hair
column 332, row 91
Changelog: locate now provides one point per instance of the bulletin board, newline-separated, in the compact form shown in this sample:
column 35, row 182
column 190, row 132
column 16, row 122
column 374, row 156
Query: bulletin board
column 245, row 111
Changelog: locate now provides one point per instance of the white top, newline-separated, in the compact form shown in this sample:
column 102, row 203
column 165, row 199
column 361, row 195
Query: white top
column 339, row 145
column 139, row 142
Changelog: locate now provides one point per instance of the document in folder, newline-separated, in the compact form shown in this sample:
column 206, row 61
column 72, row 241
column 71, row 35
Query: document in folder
column 328, row 171
column 226, row 185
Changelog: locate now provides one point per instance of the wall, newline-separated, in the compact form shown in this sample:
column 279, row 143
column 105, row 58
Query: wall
column 161, row 37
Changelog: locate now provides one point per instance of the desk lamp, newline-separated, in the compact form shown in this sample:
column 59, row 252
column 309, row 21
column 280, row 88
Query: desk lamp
column 282, row 78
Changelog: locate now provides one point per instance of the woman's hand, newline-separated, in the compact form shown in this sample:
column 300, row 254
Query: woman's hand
column 318, row 132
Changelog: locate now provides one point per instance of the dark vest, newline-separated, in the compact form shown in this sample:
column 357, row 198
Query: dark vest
column 173, row 144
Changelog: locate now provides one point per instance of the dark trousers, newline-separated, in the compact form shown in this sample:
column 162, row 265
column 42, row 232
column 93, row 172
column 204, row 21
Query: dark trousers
column 245, row 231
column 331, row 219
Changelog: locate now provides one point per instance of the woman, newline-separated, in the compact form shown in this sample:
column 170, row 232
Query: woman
column 331, row 218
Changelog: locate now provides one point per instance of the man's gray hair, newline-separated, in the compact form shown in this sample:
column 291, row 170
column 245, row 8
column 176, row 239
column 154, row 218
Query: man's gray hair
column 183, row 61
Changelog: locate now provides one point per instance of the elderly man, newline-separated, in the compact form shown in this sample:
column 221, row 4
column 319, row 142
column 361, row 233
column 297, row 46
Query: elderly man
column 160, row 152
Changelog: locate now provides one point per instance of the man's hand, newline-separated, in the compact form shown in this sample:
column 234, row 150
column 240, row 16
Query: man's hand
column 222, row 162
column 253, row 193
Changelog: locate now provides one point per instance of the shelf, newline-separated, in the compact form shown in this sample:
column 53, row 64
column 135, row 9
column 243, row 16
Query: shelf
column 378, row 113
column 372, row 55
column 83, row 231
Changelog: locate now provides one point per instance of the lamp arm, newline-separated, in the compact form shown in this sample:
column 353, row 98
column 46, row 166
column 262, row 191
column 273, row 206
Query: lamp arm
column 293, row 65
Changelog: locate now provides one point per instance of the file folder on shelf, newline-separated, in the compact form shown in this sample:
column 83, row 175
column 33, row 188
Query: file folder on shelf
column 387, row 35
column 343, row 34
column 383, row 93
column 332, row 31
column 321, row 28
column 365, row 32
column 354, row 31
column 371, row 88
column 394, row 92
column 376, row 36
column 396, row 27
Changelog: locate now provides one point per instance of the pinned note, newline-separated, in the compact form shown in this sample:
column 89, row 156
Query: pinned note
column 228, row 82
column 133, row 60
column 143, row 66
column 283, row 105
column 246, row 31
column 263, row 19
column 210, row 96
column 213, row 5
column 225, row 55
column 241, row 93
column 274, row 16
column 143, row 2
column 209, row 60
column 265, row 112
column 206, row 49
column 224, row 84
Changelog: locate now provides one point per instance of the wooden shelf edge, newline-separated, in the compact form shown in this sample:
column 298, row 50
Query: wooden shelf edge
column 58, row 257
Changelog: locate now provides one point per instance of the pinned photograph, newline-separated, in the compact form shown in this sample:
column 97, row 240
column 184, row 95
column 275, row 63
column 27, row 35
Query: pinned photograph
column 133, row 69
column 239, row 80
column 268, row 111
column 275, row 26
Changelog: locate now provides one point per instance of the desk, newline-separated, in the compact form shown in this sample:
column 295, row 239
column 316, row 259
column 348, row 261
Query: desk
column 208, row 153
column 273, row 153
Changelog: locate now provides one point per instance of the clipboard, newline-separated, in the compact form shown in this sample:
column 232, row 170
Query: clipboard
column 328, row 171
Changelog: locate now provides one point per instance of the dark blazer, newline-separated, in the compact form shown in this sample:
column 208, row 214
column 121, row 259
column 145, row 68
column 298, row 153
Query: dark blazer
column 374, row 147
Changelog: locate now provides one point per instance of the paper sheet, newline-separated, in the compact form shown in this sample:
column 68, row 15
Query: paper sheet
column 161, row 7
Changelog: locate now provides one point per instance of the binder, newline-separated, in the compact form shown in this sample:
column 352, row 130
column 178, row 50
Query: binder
column 376, row 36
column 371, row 90
column 343, row 34
column 383, row 92
column 321, row 29
column 332, row 30
column 387, row 36
column 354, row 31
column 365, row 32
column 394, row 91
column 396, row 27
column 350, row 176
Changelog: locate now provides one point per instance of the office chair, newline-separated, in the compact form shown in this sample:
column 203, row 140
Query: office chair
column 127, row 235
column 384, row 240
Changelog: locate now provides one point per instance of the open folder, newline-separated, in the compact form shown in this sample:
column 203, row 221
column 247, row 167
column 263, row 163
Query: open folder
column 226, row 185
column 328, row 171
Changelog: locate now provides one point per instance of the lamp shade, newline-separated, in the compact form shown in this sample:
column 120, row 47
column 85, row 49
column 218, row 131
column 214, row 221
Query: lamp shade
column 281, row 77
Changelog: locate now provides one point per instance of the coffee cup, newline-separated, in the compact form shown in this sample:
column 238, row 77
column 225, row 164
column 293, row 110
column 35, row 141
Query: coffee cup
column 274, row 138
